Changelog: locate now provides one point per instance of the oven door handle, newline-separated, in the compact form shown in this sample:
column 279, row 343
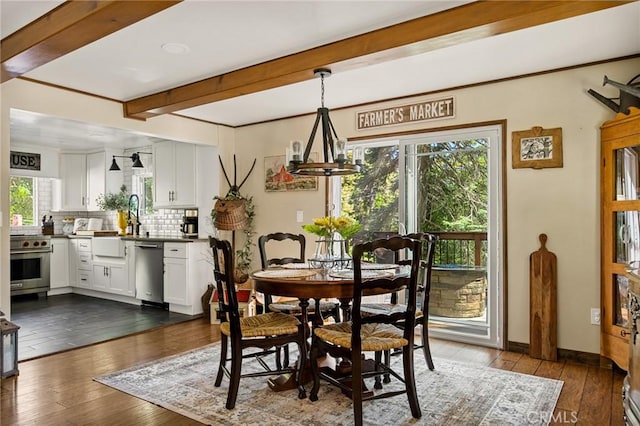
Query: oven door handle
column 29, row 251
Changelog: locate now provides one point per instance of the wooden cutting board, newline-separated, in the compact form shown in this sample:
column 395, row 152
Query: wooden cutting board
column 543, row 321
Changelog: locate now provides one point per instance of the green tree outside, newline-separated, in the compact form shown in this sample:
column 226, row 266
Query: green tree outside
column 21, row 195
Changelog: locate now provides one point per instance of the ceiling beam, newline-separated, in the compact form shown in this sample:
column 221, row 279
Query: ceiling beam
column 469, row 22
column 68, row 27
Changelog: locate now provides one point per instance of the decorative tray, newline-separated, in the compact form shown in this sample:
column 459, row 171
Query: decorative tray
column 284, row 273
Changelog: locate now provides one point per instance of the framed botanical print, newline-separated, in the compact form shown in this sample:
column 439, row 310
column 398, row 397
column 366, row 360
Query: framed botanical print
column 537, row 148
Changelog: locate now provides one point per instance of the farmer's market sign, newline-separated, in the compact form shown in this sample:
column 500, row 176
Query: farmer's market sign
column 429, row 110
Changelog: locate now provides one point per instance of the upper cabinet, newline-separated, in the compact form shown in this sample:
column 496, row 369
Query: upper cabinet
column 100, row 179
column 83, row 177
column 174, row 174
column 73, row 182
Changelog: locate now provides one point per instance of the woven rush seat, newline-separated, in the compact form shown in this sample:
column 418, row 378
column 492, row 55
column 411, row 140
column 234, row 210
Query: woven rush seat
column 293, row 306
column 375, row 337
column 269, row 324
column 371, row 309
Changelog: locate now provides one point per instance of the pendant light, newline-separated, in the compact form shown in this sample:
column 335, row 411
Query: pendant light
column 335, row 160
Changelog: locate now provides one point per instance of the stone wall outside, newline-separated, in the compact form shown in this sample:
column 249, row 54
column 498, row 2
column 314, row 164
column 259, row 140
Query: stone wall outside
column 458, row 292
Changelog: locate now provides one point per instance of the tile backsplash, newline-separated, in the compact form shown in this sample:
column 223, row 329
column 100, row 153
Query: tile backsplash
column 164, row 222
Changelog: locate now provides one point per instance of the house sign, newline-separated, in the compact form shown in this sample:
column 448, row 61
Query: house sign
column 429, row 110
column 24, row 160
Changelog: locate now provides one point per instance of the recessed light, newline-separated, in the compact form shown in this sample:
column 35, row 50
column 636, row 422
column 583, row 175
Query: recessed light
column 176, row 48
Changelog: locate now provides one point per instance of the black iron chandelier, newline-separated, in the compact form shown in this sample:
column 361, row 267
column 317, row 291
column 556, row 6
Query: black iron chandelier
column 135, row 157
column 336, row 161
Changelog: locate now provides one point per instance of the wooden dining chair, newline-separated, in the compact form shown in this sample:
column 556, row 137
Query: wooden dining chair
column 424, row 291
column 327, row 308
column 264, row 331
column 376, row 333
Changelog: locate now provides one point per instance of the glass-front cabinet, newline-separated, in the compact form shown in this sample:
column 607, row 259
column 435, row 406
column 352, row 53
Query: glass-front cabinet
column 620, row 237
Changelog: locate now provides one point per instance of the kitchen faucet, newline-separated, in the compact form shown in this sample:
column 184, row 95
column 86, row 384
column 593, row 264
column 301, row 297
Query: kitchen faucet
column 135, row 229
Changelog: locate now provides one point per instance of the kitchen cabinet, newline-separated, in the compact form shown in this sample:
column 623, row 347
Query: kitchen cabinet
column 84, row 263
column 620, row 229
column 73, row 182
column 186, row 275
column 111, row 277
column 59, row 273
column 100, row 179
column 174, row 175
column 83, row 177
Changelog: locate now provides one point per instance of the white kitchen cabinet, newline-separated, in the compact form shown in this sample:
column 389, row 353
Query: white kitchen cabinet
column 100, row 179
column 83, row 177
column 174, row 174
column 73, row 182
column 84, row 263
column 186, row 275
column 73, row 262
column 111, row 277
column 59, row 261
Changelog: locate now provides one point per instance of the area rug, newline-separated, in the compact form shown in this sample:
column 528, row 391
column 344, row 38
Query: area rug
column 454, row 394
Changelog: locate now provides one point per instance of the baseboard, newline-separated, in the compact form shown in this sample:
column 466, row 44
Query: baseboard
column 587, row 358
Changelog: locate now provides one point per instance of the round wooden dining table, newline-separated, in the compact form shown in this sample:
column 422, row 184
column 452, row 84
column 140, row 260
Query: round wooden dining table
column 305, row 284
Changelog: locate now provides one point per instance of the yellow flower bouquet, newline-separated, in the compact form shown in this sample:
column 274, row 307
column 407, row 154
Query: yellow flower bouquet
column 327, row 226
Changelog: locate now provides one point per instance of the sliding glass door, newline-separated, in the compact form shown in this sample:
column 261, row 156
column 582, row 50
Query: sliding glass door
column 447, row 183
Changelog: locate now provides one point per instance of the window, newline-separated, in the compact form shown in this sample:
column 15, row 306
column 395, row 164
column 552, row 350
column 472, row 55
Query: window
column 22, row 199
column 142, row 184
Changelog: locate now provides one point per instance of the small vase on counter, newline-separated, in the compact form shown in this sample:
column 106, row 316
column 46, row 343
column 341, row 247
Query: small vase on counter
column 122, row 222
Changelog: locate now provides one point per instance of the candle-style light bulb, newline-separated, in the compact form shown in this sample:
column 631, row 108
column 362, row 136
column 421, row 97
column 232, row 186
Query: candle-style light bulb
column 358, row 155
column 296, row 151
column 341, row 150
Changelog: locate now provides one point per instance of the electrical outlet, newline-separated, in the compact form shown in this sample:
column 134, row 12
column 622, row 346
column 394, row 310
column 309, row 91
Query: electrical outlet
column 299, row 216
column 595, row 316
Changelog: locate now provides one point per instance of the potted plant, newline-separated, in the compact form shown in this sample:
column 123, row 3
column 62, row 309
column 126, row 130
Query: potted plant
column 116, row 201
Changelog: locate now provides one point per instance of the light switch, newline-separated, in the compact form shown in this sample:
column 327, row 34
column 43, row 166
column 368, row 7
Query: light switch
column 299, row 216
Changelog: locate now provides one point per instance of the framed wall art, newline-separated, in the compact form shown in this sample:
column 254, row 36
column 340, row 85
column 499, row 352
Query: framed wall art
column 277, row 179
column 537, row 148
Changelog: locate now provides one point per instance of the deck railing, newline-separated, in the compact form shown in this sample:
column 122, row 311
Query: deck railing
column 455, row 248
column 461, row 248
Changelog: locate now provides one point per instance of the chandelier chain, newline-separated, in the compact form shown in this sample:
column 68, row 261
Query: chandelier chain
column 322, row 90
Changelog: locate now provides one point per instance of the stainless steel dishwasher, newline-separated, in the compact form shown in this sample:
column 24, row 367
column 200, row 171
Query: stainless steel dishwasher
column 150, row 272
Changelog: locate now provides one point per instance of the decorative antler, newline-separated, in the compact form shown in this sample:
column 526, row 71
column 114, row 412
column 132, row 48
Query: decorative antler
column 235, row 189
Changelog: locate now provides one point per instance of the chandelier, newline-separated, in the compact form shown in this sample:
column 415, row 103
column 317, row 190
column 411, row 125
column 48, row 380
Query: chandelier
column 336, row 162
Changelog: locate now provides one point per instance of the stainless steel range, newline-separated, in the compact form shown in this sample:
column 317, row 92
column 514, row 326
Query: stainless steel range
column 30, row 257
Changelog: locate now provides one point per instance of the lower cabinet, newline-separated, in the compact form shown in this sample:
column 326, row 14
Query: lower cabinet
column 111, row 277
column 186, row 274
column 59, row 269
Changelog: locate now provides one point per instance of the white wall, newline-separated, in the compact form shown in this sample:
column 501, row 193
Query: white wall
column 29, row 96
column 562, row 202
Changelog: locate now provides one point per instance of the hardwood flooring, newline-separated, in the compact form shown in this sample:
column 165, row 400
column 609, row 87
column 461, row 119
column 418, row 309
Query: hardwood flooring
column 59, row 389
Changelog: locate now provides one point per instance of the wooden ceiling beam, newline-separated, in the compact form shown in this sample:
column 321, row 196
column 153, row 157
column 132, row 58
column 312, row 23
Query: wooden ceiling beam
column 469, row 22
column 68, row 27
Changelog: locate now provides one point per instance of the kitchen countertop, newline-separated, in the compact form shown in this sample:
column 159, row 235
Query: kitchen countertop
column 155, row 238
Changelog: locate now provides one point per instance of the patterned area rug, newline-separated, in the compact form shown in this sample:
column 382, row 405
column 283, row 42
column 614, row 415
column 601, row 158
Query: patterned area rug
column 453, row 394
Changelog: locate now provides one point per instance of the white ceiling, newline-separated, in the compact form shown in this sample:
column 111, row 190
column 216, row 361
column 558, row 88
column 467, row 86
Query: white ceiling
column 223, row 36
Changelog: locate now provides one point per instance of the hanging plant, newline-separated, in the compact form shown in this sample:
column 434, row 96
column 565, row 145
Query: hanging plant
column 236, row 212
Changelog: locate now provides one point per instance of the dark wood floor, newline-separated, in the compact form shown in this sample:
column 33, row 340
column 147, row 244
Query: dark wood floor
column 59, row 389
column 69, row 321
